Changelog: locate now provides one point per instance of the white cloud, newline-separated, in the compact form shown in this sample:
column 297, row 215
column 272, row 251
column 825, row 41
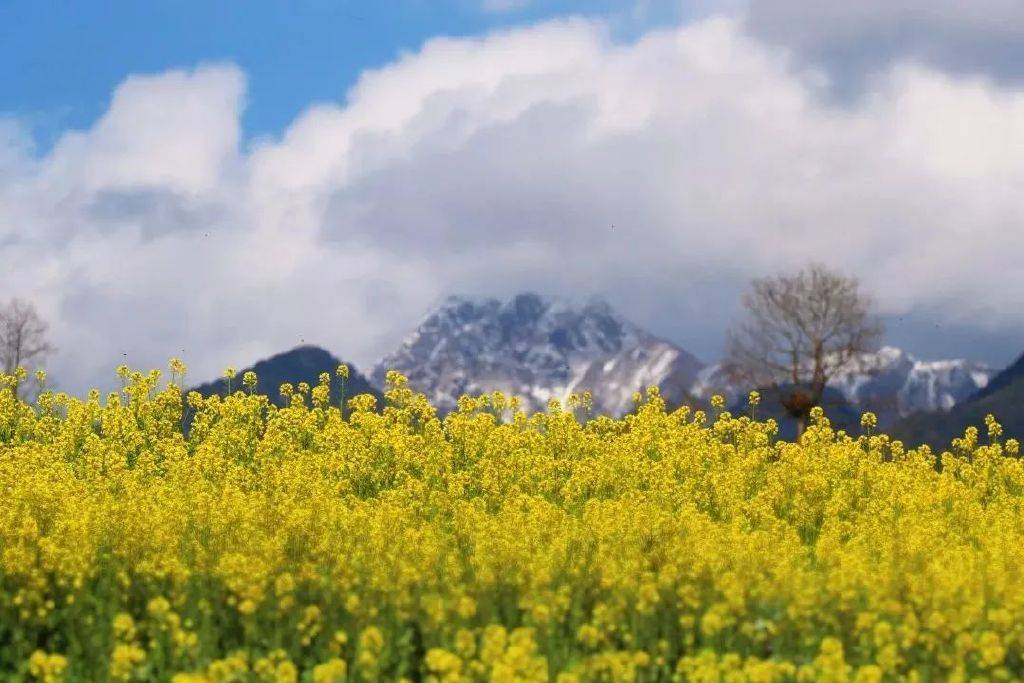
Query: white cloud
column 174, row 132
column 663, row 173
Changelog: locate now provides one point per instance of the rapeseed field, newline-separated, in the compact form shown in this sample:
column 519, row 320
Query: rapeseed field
column 153, row 535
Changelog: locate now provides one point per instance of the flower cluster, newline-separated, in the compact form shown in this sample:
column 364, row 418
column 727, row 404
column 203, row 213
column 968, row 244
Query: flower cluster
column 152, row 535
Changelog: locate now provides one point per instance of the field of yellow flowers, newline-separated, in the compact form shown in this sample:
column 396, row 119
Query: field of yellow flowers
column 307, row 544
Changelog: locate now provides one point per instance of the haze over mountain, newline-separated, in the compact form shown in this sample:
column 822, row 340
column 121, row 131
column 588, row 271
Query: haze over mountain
column 539, row 349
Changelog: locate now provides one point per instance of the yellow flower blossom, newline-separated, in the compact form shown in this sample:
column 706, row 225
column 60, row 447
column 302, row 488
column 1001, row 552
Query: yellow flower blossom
column 162, row 536
column 332, row 671
column 125, row 660
column 47, row 667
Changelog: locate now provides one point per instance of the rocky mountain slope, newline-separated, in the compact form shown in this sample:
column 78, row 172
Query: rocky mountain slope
column 538, row 349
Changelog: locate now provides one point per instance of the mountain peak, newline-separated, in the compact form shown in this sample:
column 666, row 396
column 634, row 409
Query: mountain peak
column 538, row 348
column 303, row 363
column 526, row 307
column 302, row 352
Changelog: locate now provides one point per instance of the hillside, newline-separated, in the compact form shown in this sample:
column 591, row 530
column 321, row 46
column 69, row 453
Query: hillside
column 1003, row 397
column 301, row 364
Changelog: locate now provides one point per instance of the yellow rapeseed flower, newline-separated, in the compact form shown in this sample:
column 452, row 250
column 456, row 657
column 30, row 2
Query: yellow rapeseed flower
column 224, row 539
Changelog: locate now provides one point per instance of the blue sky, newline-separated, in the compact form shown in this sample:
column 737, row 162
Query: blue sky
column 60, row 61
column 206, row 179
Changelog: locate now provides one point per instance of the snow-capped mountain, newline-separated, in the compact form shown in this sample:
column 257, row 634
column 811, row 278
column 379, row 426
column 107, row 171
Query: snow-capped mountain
column 538, row 349
column 1003, row 397
column 889, row 382
column 894, row 379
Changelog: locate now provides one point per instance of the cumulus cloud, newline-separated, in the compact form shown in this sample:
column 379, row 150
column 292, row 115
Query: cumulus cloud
column 663, row 173
column 856, row 40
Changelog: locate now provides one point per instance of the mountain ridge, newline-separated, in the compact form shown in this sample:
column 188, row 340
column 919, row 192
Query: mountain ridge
column 890, row 382
column 540, row 349
column 546, row 348
column 1002, row 397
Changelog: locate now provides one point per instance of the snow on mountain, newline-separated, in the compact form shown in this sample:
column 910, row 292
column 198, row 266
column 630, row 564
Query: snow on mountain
column 1002, row 396
column 538, row 349
column 889, row 382
column 541, row 349
column 894, row 379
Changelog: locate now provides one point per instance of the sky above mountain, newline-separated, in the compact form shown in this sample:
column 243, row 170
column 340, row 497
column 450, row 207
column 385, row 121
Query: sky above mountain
column 223, row 183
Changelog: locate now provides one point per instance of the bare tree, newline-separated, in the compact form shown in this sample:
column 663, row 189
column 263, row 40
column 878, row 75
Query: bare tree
column 801, row 329
column 23, row 337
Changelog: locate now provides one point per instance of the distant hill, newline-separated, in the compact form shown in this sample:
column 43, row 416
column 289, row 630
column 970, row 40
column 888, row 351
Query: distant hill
column 538, row 349
column 1003, row 397
column 301, row 364
column 1010, row 375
